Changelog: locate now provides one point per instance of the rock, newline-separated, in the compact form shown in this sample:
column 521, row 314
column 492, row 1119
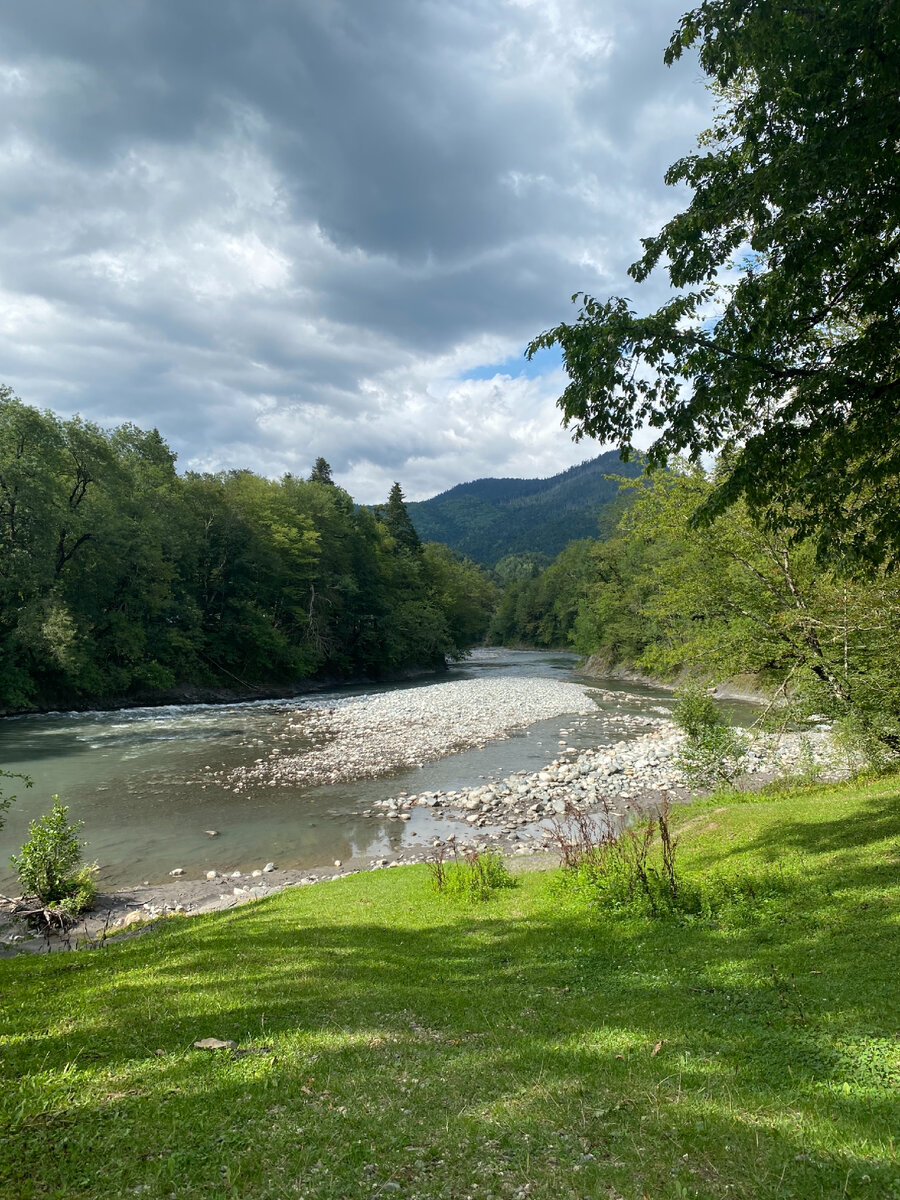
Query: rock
column 338, row 863
column 210, row 874
column 269, row 867
column 214, row 1044
column 256, row 874
column 177, row 871
column 211, row 832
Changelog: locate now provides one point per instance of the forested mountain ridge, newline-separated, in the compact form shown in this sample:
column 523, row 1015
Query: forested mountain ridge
column 488, row 519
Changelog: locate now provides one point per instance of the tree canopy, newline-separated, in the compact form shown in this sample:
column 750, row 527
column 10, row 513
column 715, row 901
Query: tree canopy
column 779, row 344
column 120, row 578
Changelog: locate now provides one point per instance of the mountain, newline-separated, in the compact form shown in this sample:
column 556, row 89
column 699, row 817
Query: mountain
column 490, row 518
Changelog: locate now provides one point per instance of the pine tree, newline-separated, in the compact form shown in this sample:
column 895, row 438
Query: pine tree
column 395, row 516
column 321, row 472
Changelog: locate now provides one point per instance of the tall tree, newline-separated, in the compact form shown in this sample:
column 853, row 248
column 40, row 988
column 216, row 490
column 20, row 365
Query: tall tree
column 396, row 518
column 321, row 472
column 780, row 343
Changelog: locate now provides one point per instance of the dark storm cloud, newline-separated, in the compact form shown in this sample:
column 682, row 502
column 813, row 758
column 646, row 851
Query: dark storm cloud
column 292, row 228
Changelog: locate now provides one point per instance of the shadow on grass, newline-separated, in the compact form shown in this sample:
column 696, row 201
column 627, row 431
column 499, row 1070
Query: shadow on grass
column 421, row 1043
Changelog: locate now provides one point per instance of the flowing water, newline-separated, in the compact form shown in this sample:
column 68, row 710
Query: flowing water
column 139, row 780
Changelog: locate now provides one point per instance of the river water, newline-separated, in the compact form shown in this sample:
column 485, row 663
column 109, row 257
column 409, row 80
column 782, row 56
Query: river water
column 139, row 778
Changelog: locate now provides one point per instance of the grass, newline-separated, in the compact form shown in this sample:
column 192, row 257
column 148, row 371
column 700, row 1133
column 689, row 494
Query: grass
column 390, row 1043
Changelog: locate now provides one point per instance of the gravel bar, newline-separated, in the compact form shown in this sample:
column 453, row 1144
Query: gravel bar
column 376, row 735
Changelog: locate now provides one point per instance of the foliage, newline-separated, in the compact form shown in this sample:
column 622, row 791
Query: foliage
column 465, row 594
column 733, row 597
column 120, row 578
column 713, row 753
column 396, row 519
column 49, row 864
column 779, row 342
column 471, row 879
column 629, row 867
column 492, row 519
column 5, row 800
column 541, row 610
column 321, row 472
column 536, row 1044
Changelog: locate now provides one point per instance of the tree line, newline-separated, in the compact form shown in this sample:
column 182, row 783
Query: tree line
column 120, row 578
column 674, row 596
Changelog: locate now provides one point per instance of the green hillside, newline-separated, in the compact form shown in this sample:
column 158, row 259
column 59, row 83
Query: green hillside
column 490, row 518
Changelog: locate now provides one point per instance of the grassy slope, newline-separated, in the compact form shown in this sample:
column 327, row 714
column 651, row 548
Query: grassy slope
column 419, row 1049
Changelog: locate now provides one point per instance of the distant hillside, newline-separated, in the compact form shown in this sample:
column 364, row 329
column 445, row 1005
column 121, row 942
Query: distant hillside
column 490, row 518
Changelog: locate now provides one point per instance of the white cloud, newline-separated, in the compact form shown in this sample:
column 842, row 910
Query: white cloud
column 284, row 231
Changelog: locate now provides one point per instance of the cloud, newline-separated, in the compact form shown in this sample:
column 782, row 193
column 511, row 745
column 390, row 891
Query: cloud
column 278, row 230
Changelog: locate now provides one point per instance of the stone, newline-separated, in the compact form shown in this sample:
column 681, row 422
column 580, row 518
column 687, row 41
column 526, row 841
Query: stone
column 269, row 867
column 177, row 871
column 210, row 874
column 214, row 1044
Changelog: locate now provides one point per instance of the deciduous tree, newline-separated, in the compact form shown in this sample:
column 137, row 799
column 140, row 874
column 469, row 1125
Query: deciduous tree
column 780, row 341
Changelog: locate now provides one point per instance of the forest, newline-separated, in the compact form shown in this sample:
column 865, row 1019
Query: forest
column 675, row 597
column 121, row 580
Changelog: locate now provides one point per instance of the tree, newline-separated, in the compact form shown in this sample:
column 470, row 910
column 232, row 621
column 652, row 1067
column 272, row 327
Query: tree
column 321, row 472
column 49, row 864
column 780, row 343
column 396, row 518
column 730, row 597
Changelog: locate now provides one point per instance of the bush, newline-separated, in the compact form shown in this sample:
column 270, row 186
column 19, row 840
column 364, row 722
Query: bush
column 713, row 753
column 472, row 879
column 49, row 865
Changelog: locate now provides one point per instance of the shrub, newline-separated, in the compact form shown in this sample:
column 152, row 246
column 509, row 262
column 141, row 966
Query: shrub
column 713, row 753
column 49, row 864
column 472, row 879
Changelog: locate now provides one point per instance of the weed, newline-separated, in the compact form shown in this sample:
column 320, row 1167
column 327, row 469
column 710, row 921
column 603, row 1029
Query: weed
column 633, row 868
column 473, row 878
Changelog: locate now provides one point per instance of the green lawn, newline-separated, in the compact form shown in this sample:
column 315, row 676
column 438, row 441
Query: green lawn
column 392, row 1043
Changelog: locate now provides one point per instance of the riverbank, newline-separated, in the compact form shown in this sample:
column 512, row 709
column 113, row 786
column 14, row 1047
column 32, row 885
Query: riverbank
column 377, row 1039
column 513, row 815
column 214, row 694
column 747, row 688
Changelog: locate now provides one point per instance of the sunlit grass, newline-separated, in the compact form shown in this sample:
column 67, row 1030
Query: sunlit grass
column 390, row 1042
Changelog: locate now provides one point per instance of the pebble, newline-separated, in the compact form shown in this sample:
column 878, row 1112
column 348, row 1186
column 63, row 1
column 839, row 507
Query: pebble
column 367, row 736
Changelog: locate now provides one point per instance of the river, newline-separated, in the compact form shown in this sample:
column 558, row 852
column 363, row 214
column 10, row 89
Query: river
column 140, row 778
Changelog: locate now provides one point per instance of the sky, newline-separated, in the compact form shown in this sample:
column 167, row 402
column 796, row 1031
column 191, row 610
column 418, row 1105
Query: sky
column 296, row 228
